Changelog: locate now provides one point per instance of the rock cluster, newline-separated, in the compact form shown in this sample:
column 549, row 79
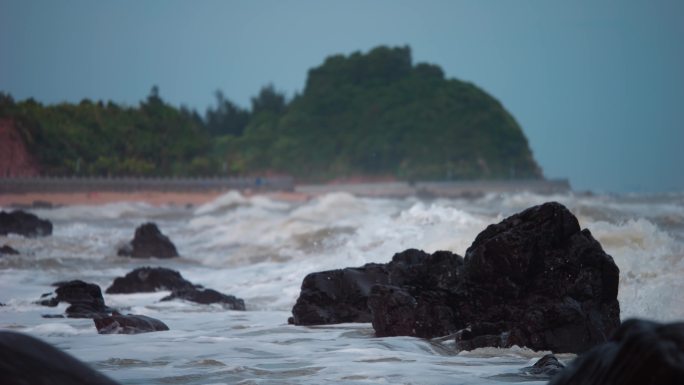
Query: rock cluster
column 535, row 279
column 149, row 242
column 23, row 223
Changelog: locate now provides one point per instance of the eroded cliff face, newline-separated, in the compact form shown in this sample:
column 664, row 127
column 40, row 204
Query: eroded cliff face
column 15, row 160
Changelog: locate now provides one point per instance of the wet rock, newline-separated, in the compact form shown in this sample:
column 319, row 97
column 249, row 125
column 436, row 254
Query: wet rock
column 23, row 223
column 7, row 250
column 207, row 296
column 128, row 324
column 149, row 279
column 547, row 366
column 149, row 242
column 85, row 299
column 28, row 360
column 337, row 296
column 639, row 352
column 535, row 279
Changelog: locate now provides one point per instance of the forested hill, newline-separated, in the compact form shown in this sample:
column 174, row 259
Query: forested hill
column 374, row 114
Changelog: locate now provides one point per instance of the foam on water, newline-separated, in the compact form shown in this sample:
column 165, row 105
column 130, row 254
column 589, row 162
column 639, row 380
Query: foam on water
column 260, row 249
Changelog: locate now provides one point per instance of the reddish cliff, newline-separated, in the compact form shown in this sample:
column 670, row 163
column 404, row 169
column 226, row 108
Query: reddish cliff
column 15, row 160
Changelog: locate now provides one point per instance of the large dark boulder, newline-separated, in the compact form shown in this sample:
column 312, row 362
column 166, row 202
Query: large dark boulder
column 128, row 324
column 27, row 360
column 206, row 297
column 149, row 279
column 535, row 279
column 7, row 250
column 23, row 223
column 638, row 353
column 149, row 242
column 337, row 296
column 85, row 299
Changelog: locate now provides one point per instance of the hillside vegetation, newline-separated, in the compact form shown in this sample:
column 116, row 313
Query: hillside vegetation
column 375, row 114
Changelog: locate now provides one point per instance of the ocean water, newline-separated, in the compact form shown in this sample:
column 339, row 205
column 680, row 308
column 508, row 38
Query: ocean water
column 260, row 249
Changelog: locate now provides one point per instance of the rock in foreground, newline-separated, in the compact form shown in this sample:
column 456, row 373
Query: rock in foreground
column 148, row 280
column 149, row 242
column 638, row 353
column 27, row 360
column 85, row 299
column 23, row 223
column 128, row 324
column 535, row 279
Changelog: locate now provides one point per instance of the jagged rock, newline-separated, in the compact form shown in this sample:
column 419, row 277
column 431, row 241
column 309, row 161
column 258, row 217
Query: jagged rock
column 547, row 366
column 534, row 280
column 149, row 242
column 28, row 360
column 149, row 279
column 207, row 296
column 337, row 296
column 23, row 223
column 85, row 299
column 638, row 353
column 5, row 249
column 128, row 324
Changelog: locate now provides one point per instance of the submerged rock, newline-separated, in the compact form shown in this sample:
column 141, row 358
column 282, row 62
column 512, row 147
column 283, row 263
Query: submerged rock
column 149, row 242
column 23, row 223
column 128, row 324
column 149, row 279
column 337, row 296
column 547, row 366
column 207, row 296
column 534, row 280
column 28, row 360
column 85, row 299
column 638, row 353
column 5, row 249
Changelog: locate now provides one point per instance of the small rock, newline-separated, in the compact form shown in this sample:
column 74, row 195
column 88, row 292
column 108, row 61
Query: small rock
column 85, row 299
column 128, row 324
column 23, row 223
column 149, row 279
column 207, row 296
column 5, row 249
column 149, row 242
column 547, row 366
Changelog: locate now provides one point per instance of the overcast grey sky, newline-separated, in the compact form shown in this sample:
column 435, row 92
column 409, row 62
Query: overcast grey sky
column 597, row 86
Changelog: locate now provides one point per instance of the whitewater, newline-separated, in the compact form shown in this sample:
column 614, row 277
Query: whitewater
column 260, row 249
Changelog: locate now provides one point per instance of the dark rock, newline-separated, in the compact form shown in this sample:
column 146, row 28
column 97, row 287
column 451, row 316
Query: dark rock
column 338, row 296
column 638, row 353
column 23, row 223
column 85, row 299
column 207, row 296
column 149, row 242
column 128, row 324
column 27, row 360
column 534, row 280
column 547, row 366
column 149, row 279
column 8, row 250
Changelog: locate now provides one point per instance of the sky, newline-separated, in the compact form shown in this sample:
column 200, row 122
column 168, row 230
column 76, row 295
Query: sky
column 597, row 86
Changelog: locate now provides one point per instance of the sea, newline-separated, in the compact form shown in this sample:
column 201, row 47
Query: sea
column 260, row 249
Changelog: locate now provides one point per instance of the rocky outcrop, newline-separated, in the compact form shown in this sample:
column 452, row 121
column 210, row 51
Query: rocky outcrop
column 128, row 324
column 85, row 299
column 337, row 296
column 535, row 279
column 149, row 242
column 149, row 279
column 7, row 250
column 23, row 223
column 206, row 297
column 15, row 159
column 639, row 352
column 28, row 360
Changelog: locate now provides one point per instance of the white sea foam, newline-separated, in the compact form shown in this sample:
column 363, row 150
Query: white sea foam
column 260, row 249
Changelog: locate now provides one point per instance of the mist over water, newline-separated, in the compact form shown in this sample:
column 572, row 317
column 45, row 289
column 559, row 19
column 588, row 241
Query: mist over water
column 260, row 249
